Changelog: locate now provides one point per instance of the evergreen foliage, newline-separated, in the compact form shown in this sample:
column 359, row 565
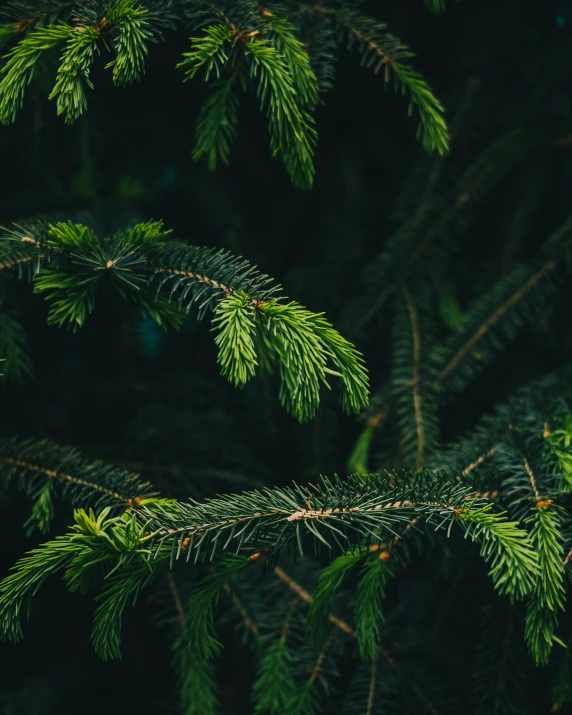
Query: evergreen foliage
column 430, row 576
column 232, row 44
column 68, row 263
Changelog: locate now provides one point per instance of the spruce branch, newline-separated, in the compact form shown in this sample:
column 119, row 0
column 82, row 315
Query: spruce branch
column 380, row 50
column 169, row 278
column 92, row 544
column 134, row 31
column 370, row 594
column 415, row 403
column 208, row 53
column 274, row 685
column 548, row 597
column 21, row 63
column 195, row 675
column 122, row 589
column 73, row 73
column 292, row 132
column 27, row 15
column 322, row 605
column 216, row 124
column 283, row 54
column 305, row 699
column 199, row 630
column 497, row 675
column 284, row 36
column 43, row 469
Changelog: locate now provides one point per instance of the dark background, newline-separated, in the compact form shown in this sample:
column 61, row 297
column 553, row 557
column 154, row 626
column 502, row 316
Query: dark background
column 123, row 391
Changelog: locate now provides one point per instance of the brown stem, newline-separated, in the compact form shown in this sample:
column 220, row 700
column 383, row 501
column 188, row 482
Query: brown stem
column 51, row 474
column 416, row 381
column 478, row 461
column 320, row 659
column 176, row 597
column 250, row 624
column 532, row 481
column 371, row 693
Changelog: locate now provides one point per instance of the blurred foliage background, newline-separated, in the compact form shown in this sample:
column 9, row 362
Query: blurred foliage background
column 124, row 391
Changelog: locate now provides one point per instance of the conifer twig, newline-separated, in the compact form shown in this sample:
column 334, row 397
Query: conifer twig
column 54, row 475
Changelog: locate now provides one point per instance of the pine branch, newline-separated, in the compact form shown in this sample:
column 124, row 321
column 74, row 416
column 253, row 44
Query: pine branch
column 274, row 685
column 370, row 594
column 43, row 469
column 216, row 125
column 21, row 63
column 134, row 31
column 292, row 132
column 379, row 49
column 26, row 15
column 416, row 406
column 284, row 37
column 548, row 598
column 196, row 677
column 92, row 544
column 73, row 73
column 199, row 630
column 321, row 607
column 168, row 278
column 122, row 590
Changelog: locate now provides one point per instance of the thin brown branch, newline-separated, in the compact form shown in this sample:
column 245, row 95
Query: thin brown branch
column 16, row 262
column 385, row 58
column 227, row 290
column 51, row 474
column 25, row 23
column 416, row 380
column 371, row 693
column 248, row 622
column 176, row 598
column 532, row 481
column 478, row 461
column 494, row 318
column 320, row 659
